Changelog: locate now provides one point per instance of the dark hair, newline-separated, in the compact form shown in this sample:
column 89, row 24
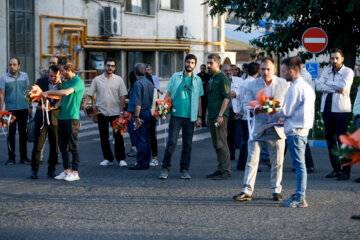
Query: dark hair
column 253, row 68
column 59, row 60
column 148, row 66
column 265, row 59
column 293, row 63
column 337, row 50
column 245, row 65
column 190, row 56
column 139, row 69
column 67, row 65
column 216, row 57
column 54, row 68
column 203, row 65
column 110, row 59
column 16, row 59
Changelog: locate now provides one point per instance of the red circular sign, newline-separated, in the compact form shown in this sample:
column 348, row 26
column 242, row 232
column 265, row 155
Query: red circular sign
column 314, row 40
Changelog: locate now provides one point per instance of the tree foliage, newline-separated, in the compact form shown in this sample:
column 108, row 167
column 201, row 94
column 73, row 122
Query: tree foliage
column 340, row 19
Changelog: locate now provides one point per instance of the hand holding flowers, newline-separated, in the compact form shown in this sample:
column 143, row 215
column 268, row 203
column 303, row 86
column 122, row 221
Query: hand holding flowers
column 163, row 108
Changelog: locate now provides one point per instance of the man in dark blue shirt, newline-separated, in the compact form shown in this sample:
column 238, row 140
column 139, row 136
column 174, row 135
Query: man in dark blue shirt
column 140, row 100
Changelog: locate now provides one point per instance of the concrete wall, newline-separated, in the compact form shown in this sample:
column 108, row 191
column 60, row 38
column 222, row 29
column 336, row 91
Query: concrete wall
column 3, row 37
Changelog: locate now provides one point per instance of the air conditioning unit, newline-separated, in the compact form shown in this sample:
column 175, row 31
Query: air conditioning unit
column 111, row 21
column 182, row 31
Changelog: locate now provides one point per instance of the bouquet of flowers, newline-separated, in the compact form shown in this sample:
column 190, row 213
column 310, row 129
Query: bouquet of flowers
column 163, row 108
column 349, row 151
column 6, row 118
column 265, row 104
column 34, row 95
column 270, row 105
column 120, row 124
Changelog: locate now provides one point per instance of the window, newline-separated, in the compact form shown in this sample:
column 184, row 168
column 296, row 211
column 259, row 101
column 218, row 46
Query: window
column 140, row 6
column 21, row 31
column 172, row 4
column 170, row 62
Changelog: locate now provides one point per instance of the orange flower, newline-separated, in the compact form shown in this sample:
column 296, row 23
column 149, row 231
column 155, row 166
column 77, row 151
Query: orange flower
column 119, row 124
column 4, row 121
column 165, row 102
column 127, row 116
column 355, row 159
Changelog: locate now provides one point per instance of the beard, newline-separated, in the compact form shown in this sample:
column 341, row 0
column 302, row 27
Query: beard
column 188, row 69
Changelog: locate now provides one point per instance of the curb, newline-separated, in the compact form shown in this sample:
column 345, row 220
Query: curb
column 317, row 143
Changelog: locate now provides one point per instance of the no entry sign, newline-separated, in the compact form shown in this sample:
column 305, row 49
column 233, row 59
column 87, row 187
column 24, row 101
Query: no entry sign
column 314, row 40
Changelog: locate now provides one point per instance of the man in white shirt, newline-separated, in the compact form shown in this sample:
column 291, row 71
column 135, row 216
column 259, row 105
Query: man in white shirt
column 273, row 136
column 298, row 112
column 110, row 93
column 335, row 84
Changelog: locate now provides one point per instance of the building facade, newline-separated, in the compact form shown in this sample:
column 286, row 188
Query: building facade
column 158, row 32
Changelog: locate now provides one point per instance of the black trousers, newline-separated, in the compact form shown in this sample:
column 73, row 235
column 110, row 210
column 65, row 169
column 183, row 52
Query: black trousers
column 153, row 139
column 244, row 145
column 39, row 141
column 68, row 142
column 234, row 135
column 335, row 125
column 103, row 123
column 21, row 122
column 204, row 105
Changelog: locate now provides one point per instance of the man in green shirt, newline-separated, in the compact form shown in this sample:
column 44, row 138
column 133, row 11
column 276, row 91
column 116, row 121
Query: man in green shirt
column 72, row 92
column 185, row 90
column 218, row 89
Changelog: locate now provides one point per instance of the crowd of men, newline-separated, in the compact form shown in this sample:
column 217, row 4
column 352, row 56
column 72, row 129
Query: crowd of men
column 218, row 98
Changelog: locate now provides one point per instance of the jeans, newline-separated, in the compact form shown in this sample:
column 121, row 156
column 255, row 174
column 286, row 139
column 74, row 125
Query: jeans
column 21, row 121
column 335, row 125
column 39, row 141
column 297, row 145
column 103, row 124
column 175, row 125
column 219, row 140
column 68, row 142
column 141, row 138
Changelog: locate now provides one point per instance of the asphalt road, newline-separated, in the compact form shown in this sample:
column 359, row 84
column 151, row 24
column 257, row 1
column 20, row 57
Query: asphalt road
column 116, row 203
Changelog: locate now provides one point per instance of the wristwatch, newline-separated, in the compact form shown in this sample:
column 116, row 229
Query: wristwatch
column 220, row 115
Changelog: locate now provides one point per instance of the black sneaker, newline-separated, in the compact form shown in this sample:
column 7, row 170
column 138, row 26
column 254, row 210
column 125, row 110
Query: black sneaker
column 34, row 174
column 343, row 176
column 51, row 174
column 25, row 160
column 277, row 197
column 242, row 197
column 10, row 161
column 333, row 174
column 214, row 174
column 223, row 176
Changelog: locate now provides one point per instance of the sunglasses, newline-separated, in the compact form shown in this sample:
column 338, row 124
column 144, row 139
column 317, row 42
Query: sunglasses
column 110, row 66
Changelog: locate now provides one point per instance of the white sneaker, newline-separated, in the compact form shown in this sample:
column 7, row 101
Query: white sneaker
column 106, row 163
column 72, row 177
column 154, row 162
column 122, row 163
column 61, row 176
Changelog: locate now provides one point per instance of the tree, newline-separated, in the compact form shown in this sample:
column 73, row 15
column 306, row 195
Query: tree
column 340, row 19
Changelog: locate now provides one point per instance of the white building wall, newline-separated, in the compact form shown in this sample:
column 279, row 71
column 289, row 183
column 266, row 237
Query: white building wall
column 162, row 25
